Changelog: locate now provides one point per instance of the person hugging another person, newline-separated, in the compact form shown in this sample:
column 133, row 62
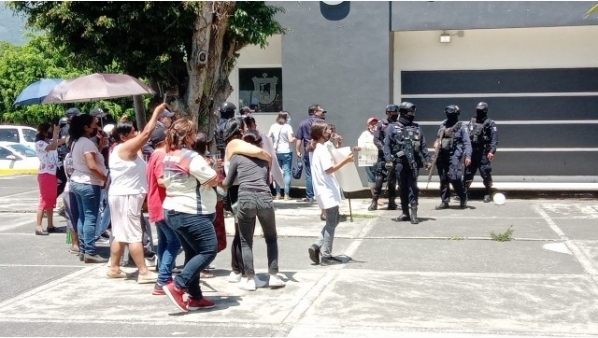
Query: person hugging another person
column 46, row 143
column 254, row 200
column 327, row 192
column 126, row 195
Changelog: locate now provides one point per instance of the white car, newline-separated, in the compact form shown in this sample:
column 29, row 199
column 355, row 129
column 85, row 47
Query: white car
column 18, row 134
column 18, row 157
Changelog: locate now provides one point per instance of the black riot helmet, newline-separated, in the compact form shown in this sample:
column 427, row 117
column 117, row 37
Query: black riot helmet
column 407, row 107
column 393, row 109
column 481, row 111
column 63, row 121
column 452, row 110
column 227, row 110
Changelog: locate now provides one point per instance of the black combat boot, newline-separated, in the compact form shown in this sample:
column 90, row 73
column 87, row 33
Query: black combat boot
column 413, row 217
column 443, row 205
column 391, row 204
column 487, row 199
column 403, row 217
column 374, row 205
column 463, row 202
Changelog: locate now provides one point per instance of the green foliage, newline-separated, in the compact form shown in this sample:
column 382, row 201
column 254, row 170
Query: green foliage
column 591, row 11
column 147, row 39
column 39, row 58
column 503, row 236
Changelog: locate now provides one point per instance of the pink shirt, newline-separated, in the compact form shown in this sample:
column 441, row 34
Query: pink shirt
column 156, row 194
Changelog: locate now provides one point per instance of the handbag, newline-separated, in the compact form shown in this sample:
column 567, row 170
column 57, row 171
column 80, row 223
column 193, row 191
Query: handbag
column 297, row 169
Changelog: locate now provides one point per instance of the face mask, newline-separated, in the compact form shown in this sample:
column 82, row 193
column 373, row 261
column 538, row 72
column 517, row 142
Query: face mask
column 392, row 117
column 289, row 121
column 480, row 115
column 452, row 118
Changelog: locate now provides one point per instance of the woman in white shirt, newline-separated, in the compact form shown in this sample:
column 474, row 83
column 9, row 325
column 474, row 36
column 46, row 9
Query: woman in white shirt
column 282, row 137
column 86, row 182
column 46, row 142
column 366, row 141
column 128, row 187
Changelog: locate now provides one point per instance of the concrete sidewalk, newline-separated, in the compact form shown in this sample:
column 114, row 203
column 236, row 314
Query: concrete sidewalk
column 444, row 277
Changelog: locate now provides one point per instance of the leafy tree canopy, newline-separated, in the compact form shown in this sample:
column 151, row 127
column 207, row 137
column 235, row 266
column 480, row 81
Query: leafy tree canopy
column 157, row 40
column 39, row 58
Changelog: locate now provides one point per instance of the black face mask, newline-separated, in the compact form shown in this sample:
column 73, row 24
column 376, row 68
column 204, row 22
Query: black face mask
column 406, row 119
column 480, row 115
column 452, row 118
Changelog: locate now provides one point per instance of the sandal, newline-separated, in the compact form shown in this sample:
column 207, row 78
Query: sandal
column 74, row 251
column 120, row 274
column 41, row 232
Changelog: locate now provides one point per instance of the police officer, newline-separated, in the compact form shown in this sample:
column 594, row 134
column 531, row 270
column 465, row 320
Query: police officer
column 454, row 145
column 227, row 111
column 405, row 149
column 392, row 112
column 484, row 140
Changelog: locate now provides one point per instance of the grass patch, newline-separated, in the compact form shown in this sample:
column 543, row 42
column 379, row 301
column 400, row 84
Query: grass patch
column 503, row 236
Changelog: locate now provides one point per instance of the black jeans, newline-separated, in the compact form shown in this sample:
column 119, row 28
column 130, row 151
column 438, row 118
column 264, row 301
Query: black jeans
column 252, row 205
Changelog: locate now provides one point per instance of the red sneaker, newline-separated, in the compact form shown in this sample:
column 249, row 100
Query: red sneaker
column 203, row 303
column 175, row 295
column 158, row 290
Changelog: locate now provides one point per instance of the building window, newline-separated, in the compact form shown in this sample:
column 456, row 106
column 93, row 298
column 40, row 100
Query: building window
column 261, row 89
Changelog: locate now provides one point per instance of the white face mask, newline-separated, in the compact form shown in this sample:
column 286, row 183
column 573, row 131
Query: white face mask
column 289, row 121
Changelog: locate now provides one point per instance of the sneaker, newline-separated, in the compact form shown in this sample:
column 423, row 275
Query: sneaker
column 175, row 295
column 276, row 282
column 331, row 260
column 234, row 277
column 94, row 259
column 151, row 262
column 158, row 290
column 148, row 278
column 314, row 253
column 287, row 198
column 102, row 240
column 248, row 284
column 278, row 197
column 203, row 303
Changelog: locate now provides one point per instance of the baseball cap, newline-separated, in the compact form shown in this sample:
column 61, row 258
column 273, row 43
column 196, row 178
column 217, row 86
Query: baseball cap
column 158, row 135
column 98, row 112
column 73, row 112
column 166, row 113
column 372, row 119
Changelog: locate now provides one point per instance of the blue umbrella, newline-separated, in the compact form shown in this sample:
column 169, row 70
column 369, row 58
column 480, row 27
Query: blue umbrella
column 36, row 92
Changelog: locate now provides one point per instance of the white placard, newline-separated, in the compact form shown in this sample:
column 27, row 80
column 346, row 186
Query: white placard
column 347, row 176
column 368, row 155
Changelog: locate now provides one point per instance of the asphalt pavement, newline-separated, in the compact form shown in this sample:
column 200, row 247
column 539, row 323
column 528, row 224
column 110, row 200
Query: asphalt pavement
column 445, row 277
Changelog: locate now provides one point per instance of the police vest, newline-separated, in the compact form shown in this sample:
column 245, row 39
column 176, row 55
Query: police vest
column 447, row 136
column 404, row 135
column 479, row 133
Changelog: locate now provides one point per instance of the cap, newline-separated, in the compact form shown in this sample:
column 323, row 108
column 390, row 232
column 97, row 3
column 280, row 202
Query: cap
column 372, row 119
column 73, row 112
column 166, row 113
column 158, row 135
column 98, row 112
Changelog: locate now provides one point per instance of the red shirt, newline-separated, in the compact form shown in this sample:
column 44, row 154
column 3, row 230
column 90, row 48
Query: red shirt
column 156, row 194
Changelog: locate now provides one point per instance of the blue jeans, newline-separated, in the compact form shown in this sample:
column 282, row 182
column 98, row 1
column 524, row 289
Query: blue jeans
column 309, row 187
column 104, row 214
column 285, row 161
column 168, row 247
column 198, row 238
column 88, row 204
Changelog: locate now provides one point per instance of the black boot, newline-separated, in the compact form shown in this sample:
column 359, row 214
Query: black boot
column 413, row 218
column 374, row 205
column 463, row 202
column 486, row 198
column 404, row 217
column 391, row 204
column 443, row 205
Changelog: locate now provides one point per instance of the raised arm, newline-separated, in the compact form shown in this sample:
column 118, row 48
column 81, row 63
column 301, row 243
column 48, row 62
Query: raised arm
column 131, row 147
column 239, row 147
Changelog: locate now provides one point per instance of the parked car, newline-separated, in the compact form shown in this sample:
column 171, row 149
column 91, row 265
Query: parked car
column 18, row 157
column 18, row 134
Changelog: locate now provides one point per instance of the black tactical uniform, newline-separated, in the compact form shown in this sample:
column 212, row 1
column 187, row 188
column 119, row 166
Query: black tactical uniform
column 405, row 149
column 382, row 173
column 484, row 140
column 454, row 147
column 227, row 111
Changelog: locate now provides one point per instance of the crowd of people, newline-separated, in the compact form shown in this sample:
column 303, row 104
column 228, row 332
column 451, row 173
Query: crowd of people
column 111, row 171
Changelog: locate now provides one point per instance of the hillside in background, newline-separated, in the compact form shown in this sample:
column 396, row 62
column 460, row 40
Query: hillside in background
column 12, row 28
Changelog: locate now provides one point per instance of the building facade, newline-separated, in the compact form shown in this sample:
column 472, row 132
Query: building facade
column 534, row 63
